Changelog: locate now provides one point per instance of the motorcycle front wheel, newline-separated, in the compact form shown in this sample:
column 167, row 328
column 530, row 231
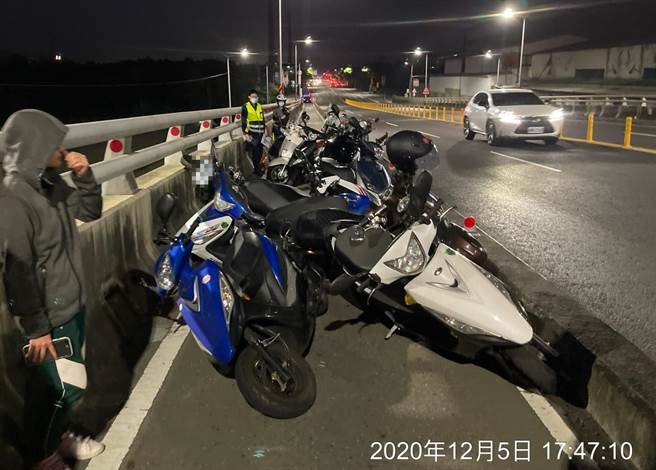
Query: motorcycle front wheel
column 266, row 391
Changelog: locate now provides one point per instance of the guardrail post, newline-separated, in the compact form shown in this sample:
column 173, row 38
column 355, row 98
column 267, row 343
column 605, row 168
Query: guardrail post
column 437, row 112
column 236, row 134
column 589, row 136
column 174, row 133
column 444, row 113
column 225, row 120
column 627, row 132
column 453, row 114
column 125, row 184
column 462, row 115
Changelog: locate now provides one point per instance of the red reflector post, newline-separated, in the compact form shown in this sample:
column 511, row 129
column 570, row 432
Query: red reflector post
column 469, row 222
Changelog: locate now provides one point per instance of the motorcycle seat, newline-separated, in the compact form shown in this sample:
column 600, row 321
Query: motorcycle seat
column 345, row 172
column 361, row 256
column 264, row 196
column 308, row 218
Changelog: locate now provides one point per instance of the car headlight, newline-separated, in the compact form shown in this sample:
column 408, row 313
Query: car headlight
column 227, row 298
column 508, row 117
column 557, row 115
column 205, row 235
column 165, row 277
column 220, row 204
column 413, row 261
column 461, row 327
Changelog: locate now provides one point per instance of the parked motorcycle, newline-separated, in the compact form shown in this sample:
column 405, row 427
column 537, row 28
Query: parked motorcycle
column 249, row 308
column 422, row 285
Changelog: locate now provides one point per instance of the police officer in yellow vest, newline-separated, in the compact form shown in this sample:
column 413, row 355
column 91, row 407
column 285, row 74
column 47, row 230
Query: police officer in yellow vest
column 252, row 125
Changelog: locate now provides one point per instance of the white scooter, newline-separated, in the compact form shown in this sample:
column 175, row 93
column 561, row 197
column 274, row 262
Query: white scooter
column 423, row 286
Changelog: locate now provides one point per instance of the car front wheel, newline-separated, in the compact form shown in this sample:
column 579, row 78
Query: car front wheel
column 491, row 133
column 469, row 134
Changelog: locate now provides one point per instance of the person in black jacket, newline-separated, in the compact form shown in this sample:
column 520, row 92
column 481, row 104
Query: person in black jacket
column 42, row 271
column 280, row 121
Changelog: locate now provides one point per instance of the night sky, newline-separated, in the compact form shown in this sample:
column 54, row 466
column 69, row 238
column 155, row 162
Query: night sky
column 354, row 31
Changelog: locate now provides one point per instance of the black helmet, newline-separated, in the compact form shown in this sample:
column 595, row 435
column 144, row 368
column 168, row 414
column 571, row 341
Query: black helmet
column 405, row 147
column 342, row 149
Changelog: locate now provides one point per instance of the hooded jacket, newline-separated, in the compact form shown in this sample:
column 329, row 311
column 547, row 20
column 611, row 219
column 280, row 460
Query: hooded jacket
column 42, row 260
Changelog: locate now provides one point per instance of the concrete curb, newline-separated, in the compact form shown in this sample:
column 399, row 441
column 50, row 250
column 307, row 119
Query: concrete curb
column 612, row 379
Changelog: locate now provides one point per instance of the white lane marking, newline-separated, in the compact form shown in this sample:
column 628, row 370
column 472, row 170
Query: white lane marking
column 550, row 418
column 556, row 170
column 546, row 413
column 644, row 134
column 316, row 109
column 124, row 429
column 391, row 124
column 432, row 135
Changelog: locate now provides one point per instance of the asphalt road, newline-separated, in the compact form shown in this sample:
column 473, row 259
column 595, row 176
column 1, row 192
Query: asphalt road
column 583, row 216
column 369, row 391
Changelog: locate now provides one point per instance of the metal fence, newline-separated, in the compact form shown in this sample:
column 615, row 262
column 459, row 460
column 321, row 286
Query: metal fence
column 592, row 130
column 614, row 106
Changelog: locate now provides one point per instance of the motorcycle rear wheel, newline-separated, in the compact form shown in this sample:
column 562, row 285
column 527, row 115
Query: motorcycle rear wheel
column 265, row 392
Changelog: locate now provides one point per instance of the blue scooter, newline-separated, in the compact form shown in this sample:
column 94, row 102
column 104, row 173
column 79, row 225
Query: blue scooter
column 247, row 305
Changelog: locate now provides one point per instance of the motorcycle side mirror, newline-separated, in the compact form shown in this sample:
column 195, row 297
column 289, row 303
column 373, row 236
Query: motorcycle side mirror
column 305, row 117
column 419, row 194
column 376, row 119
column 165, row 206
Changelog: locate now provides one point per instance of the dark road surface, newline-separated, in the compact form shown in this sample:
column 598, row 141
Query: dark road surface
column 585, row 218
column 581, row 218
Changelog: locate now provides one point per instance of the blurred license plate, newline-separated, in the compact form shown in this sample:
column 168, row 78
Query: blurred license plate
column 535, row 130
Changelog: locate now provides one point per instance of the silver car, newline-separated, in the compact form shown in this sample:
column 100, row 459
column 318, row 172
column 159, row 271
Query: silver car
column 515, row 114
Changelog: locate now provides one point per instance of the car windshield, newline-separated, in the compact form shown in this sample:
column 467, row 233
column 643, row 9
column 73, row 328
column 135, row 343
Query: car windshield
column 515, row 99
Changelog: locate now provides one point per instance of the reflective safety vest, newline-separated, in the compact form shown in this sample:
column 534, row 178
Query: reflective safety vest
column 254, row 118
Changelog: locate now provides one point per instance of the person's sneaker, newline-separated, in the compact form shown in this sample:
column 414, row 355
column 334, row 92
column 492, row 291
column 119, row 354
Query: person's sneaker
column 77, row 447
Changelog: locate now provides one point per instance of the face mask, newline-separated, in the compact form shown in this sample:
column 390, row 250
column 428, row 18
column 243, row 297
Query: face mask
column 253, row 100
column 281, row 104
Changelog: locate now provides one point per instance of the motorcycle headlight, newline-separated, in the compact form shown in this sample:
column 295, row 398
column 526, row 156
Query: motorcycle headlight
column 165, row 277
column 227, row 298
column 220, row 204
column 461, row 327
column 413, row 261
column 203, row 236
column 508, row 117
column 557, row 115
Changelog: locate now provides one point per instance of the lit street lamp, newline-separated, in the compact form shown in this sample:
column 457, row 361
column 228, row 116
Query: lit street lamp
column 244, row 53
column 417, row 53
column 297, row 71
column 508, row 14
column 489, row 55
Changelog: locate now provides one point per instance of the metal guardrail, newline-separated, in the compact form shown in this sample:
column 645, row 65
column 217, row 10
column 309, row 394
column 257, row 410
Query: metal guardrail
column 101, row 131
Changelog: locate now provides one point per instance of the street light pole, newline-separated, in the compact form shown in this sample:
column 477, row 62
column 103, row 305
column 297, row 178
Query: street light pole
column 412, row 69
column 267, row 82
column 521, row 53
column 498, row 68
column 280, row 43
column 296, row 81
column 426, row 75
column 229, row 87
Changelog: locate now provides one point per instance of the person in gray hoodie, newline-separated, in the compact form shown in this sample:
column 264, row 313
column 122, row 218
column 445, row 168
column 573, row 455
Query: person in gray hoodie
column 42, row 271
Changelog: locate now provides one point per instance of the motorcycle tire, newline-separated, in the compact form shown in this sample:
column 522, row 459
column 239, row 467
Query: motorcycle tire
column 528, row 360
column 259, row 387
